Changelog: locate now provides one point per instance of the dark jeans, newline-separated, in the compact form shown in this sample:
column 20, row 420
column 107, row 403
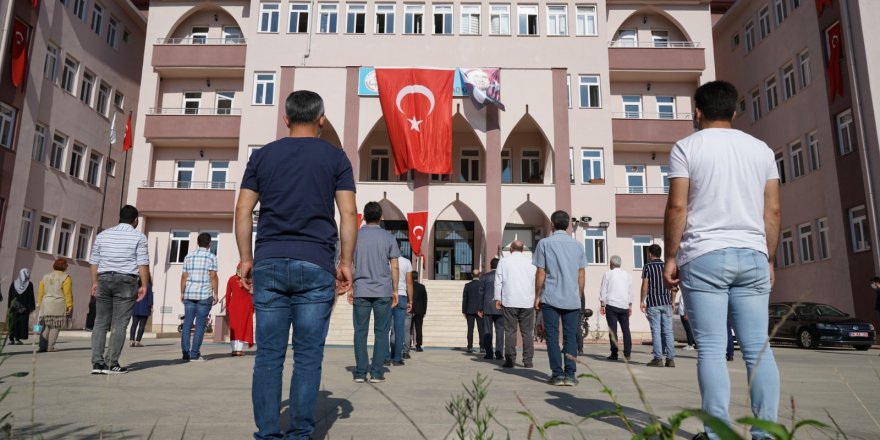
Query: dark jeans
column 194, row 310
column 417, row 321
column 381, row 309
column 138, row 325
column 298, row 293
column 686, row 323
column 614, row 315
column 491, row 322
column 525, row 318
column 398, row 329
column 471, row 320
column 570, row 321
column 90, row 317
column 114, row 302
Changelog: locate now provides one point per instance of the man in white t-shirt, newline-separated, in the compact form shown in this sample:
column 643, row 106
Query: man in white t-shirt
column 401, row 318
column 721, row 229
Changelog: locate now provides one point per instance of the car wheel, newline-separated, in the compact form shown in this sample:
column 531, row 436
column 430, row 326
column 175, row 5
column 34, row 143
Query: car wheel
column 862, row 347
column 806, row 339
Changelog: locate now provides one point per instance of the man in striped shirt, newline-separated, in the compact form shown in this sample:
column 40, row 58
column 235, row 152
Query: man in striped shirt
column 657, row 304
column 119, row 257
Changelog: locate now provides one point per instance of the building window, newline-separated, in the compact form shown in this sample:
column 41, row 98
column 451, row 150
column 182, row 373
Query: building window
column 635, row 179
column 499, row 19
column 224, row 101
column 299, row 18
column 804, row 65
column 82, row 242
column 589, row 91
column 264, row 88
column 118, row 100
column 79, row 8
column 586, row 20
column 506, row 167
column 192, row 101
column 94, row 170
column 789, row 86
column 750, row 36
column 442, row 19
column 56, row 155
column 595, row 245
column 666, row 107
column 664, row 178
column 86, row 87
column 770, row 89
column 97, row 18
column 45, row 230
column 112, row 26
column 568, row 88
column 660, row 38
column 632, row 106
column 385, row 18
column 787, row 244
column 356, row 18
column 627, row 38
column 813, row 146
column 103, row 97
column 470, row 20
column 64, row 237
column 734, row 40
column 570, row 164
column 111, row 168
column 7, row 126
column 858, row 225
column 780, row 167
column 557, row 20
column 50, row 67
column 413, row 17
column 469, row 169
column 328, row 15
column 797, row 160
column 68, row 75
column 439, row 177
column 822, row 231
column 641, row 243
column 126, row 35
column 805, row 242
column 232, row 35
column 380, row 165
column 184, row 170
column 781, row 10
column 269, row 14
column 845, row 136
column 27, row 228
column 531, row 170
column 764, row 22
column 528, row 20
column 39, row 151
column 741, row 107
column 199, row 35
column 756, row 105
column 592, row 170
column 76, row 160
column 219, row 174
column 179, row 246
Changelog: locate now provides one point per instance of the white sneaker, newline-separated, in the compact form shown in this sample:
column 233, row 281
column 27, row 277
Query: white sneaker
column 688, row 347
column 198, row 359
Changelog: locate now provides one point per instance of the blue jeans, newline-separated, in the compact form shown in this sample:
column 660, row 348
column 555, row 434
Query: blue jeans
column 732, row 283
column 289, row 292
column 399, row 331
column 660, row 319
column 381, row 309
column 194, row 309
column 552, row 316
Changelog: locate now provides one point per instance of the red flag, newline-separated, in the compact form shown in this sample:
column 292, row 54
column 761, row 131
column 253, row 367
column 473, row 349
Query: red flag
column 835, row 79
column 126, row 141
column 417, row 222
column 820, row 6
column 19, row 51
column 34, row 3
column 417, row 105
column 360, row 219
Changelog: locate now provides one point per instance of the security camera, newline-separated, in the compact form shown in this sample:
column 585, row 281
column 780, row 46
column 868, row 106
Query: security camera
column 586, row 219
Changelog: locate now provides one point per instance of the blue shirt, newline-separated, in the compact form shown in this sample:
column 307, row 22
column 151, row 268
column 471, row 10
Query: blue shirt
column 297, row 180
column 198, row 266
column 561, row 257
column 372, row 263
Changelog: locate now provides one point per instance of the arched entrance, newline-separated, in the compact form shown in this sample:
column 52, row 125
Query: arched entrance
column 457, row 240
column 527, row 156
column 328, row 133
column 529, row 224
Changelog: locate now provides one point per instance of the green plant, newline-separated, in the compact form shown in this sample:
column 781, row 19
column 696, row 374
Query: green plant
column 6, row 418
column 472, row 417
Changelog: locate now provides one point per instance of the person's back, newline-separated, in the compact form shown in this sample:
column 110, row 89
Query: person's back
column 516, row 276
column 372, row 274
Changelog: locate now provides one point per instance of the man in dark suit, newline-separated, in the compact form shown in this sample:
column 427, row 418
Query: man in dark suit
column 493, row 318
column 419, row 310
column 471, row 302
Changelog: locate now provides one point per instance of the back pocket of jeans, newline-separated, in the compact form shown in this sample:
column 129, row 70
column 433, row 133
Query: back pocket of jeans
column 264, row 277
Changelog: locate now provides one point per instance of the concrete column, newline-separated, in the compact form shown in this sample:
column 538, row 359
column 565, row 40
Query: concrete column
column 352, row 119
column 561, row 142
column 285, row 87
column 494, row 223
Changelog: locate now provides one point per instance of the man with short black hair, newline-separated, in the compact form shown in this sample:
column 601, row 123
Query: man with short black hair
column 119, row 261
column 198, row 293
column 296, row 181
column 419, row 310
column 493, row 319
column 656, row 303
column 471, row 301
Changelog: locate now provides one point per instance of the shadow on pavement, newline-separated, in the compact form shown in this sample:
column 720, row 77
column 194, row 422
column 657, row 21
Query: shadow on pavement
column 145, row 365
column 65, row 431
column 327, row 411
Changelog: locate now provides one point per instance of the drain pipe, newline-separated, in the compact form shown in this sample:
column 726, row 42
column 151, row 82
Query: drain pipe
column 7, row 22
column 863, row 152
column 309, row 41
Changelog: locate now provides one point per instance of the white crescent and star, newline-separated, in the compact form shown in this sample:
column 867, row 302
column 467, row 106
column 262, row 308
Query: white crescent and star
column 835, row 40
column 418, row 235
column 415, row 89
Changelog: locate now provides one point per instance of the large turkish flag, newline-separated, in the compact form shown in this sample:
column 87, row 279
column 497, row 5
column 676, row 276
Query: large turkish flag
column 835, row 78
column 19, row 51
column 417, row 104
column 417, row 222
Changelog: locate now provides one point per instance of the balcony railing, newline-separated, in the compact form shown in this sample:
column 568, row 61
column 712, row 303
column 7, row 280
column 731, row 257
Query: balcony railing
column 199, row 40
column 186, row 184
column 194, row 111
column 642, row 190
column 654, row 44
column 644, row 115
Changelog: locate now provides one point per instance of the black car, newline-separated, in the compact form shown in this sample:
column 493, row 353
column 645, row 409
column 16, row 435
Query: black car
column 813, row 324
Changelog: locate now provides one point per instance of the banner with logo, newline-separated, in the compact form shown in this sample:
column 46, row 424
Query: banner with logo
column 483, row 86
column 417, row 221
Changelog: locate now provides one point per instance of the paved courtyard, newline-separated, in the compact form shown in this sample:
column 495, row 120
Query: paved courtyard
column 211, row 400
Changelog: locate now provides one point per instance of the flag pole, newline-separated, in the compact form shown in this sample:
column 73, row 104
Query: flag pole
column 112, row 139
column 124, row 169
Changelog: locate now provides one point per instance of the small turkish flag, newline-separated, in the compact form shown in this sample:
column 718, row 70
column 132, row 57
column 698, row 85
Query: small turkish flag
column 360, row 219
column 19, row 51
column 126, row 141
column 820, row 6
column 417, row 222
column 835, row 78
column 417, row 105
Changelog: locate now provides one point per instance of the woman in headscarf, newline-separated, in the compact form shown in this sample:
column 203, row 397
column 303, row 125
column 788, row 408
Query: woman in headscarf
column 21, row 304
column 240, row 311
column 55, row 301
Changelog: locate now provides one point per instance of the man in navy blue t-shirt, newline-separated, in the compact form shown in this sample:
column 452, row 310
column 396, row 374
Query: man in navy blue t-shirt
column 291, row 273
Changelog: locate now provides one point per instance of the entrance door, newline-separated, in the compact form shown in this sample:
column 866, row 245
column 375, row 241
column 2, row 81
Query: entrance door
column 443, row 263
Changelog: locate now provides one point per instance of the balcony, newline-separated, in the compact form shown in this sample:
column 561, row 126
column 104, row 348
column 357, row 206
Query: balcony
column 656, row 61
column 640, row 204
column 645, row 132
column 210, row 127
column 200, row 57
column 186, row 198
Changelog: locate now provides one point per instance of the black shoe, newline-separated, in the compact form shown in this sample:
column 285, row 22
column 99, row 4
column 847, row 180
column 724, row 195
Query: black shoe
column 387, row 363
column 528, row 364
column 482, row 350
column 398, row 363
column 729, row 358
column 627, row 358
column 99, row 368
column 508, row 363
column 498, row 355
column 489, row 356
column 185, row 357
column 612, row 357
column 419, row 349
column 116, row 369
column 469, row 350
column 655, row 363
column 406, row 356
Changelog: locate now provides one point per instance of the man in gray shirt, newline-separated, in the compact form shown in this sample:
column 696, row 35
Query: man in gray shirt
column 559, row 287
column 375, row 291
